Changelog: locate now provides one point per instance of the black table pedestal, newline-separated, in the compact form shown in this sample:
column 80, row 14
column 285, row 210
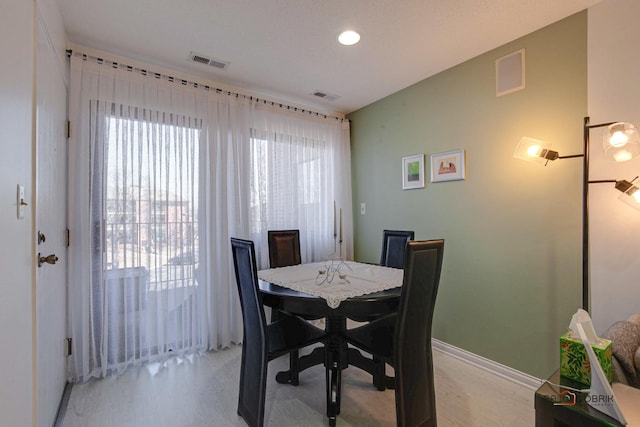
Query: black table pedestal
column 336, row 356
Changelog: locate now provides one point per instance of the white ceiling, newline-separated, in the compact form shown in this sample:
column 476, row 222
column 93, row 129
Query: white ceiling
column 287, row 49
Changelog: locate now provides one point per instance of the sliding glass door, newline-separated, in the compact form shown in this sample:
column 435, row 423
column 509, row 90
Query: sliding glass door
column 146, row 253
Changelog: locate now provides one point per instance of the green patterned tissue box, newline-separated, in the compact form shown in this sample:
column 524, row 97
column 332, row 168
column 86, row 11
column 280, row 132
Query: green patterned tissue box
column 574, row 360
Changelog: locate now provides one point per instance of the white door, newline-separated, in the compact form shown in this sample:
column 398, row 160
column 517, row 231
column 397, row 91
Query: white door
column 50, row 222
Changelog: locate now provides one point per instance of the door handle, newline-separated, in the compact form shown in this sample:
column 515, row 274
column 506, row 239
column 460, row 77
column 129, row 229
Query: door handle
column 51, row 259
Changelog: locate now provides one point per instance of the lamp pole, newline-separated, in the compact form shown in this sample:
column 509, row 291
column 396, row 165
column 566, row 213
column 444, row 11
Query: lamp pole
column 585, row 208
column 585, row 217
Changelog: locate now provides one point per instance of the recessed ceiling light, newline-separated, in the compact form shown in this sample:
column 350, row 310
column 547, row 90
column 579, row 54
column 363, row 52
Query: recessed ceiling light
column 349, row 38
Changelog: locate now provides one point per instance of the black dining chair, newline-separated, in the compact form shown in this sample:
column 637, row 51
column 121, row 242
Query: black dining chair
column 393, row 244
column 284, row 248
column 262, row 342
column 284, row 251
column 403, row 339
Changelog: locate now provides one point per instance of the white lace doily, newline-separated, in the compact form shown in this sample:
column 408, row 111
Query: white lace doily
column 352, row 279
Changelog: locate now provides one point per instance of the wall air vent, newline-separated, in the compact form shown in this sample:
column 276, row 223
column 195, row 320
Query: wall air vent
column 203, row 59
column 324, row 95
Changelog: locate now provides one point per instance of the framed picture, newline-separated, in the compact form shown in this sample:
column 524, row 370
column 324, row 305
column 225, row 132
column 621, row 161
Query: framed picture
column 413, row 172
column 447, row 166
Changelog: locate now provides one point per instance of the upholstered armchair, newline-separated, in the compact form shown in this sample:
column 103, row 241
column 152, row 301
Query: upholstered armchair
column 625, row 344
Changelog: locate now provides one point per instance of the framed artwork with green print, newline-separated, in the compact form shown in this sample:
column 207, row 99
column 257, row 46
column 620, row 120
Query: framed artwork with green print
column 413, row 172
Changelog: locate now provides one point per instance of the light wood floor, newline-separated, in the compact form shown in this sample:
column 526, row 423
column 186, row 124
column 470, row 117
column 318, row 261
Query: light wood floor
column 202, row 391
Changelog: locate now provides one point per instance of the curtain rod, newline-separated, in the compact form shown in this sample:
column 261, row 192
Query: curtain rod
column 184, row 82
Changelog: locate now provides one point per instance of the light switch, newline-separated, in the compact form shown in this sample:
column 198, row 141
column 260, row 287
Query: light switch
column 363, row 208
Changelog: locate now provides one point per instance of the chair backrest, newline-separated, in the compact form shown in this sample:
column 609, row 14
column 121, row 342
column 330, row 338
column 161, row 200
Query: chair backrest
column 284, row 248
column 415, row 393
column 393, row 245
column 254, row 345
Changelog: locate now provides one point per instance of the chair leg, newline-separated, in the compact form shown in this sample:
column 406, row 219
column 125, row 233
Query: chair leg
column 379, row 374
column 251, row 396
column 294, row 356
column 294, row 367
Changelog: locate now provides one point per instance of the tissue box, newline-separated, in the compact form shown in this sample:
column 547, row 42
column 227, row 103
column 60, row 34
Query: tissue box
column 574, row 360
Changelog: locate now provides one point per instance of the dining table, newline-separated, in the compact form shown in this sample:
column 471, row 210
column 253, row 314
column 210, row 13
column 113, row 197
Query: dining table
column 335, row 290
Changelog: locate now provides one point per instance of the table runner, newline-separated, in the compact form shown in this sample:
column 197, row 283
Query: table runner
column 351, row 279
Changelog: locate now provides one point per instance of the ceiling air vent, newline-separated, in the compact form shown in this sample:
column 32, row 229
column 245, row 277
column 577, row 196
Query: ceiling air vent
column 203, row 59
column 324, row 95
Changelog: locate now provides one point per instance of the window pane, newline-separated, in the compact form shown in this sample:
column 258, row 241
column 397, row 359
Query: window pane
column 151, row 200
column 290, row 176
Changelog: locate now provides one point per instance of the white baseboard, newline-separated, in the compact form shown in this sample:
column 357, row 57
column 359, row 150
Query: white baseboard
column 488, row 365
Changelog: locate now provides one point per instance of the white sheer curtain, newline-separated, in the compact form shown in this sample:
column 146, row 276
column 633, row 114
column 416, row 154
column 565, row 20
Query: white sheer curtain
column 300, row 172
column 162, row 174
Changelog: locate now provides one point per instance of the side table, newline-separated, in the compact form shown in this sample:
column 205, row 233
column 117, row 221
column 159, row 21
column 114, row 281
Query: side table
column 556, row 407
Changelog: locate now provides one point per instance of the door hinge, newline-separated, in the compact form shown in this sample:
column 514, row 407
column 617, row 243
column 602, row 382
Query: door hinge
column 68, row 237
column 68, row 347
column 68, row 128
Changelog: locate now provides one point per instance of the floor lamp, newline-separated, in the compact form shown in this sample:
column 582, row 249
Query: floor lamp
column 620, row 143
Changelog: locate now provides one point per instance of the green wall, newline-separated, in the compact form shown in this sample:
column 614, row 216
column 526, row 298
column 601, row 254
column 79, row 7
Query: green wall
column 512, row 269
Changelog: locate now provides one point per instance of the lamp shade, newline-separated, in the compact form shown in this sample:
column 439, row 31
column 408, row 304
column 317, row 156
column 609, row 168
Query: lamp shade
column 620, row 142
column 534, row 150
column 630, row 193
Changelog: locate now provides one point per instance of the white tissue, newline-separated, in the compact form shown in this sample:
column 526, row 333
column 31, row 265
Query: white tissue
column 583, row 317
